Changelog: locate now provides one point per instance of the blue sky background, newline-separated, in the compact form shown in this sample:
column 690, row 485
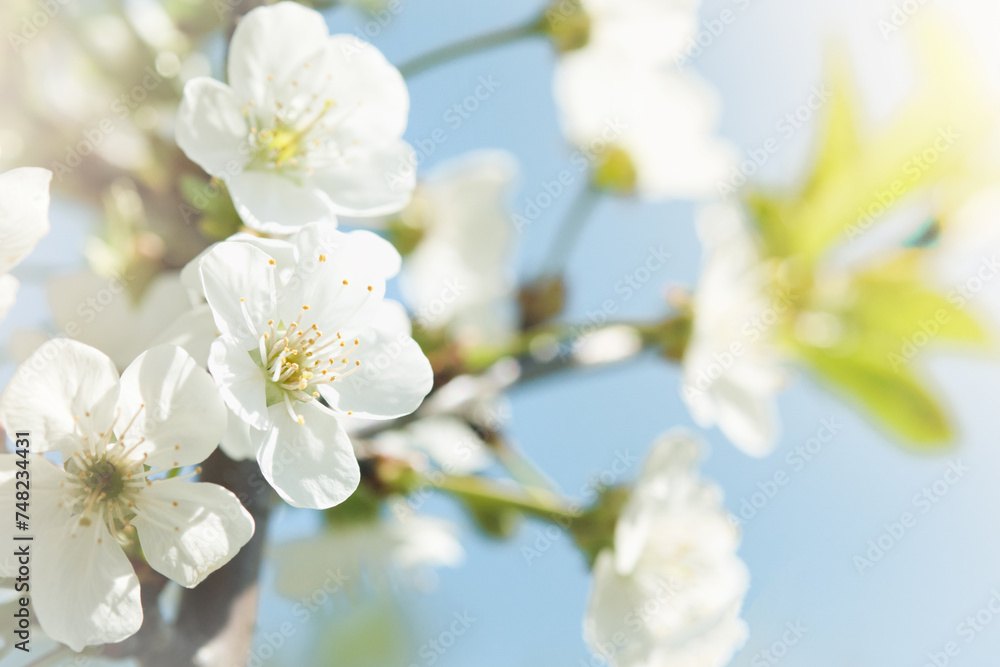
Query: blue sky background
column 801, row 545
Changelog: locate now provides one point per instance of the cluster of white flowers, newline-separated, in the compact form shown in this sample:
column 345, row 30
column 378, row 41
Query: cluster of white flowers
column 296, row 334
column 276, row 342
column 669, row 592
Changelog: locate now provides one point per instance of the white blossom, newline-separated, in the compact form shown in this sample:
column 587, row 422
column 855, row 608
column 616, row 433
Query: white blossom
column 326, row 332
column 309, row 127
column 24, row 220
column 459, row 276
column 669, row 592
column 650, row 129
column 731, row 368
column 115, row 438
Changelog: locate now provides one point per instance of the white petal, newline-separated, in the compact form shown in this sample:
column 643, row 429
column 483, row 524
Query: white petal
column 24, row 213
column 336, row 288
column 360, row 76
column 211, row 128
column 370, row 181
column 239, row 282
column 746, row 415
column 311, row 464
column 237, row 443
column 357, row 255
column 240, row 380
column 278, row 249
column 180, row 414
column 195, row 331
column 43, row 478
column 272, row 202
column 651, row 32
column 8, row 293
column 63, row 394
column 394, row 375
column 470, row 199
column 668, row 472
column 84, row 589
column 276, row 42
column 189, row 530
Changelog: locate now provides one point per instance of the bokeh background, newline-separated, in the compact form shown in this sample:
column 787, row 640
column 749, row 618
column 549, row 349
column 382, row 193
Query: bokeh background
column 801, row 545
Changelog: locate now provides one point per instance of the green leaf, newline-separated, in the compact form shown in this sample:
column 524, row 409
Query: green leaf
column 840, row 144
column 857, row 181
column 892, row 302
column 893, row 398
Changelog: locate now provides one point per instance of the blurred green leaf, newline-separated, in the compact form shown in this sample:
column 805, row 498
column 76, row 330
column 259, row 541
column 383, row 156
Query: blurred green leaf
column 891, row 300
column 894, row 398
column 856, row 181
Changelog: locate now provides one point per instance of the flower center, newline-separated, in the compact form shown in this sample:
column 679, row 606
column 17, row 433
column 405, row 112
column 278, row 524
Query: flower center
column 293, row 130
column 298, row 359
column 107, row 478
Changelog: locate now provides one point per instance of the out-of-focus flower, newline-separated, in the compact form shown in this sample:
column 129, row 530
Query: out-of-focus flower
column 669, row 591
column 24, row 220
column 309, row 126
column 446, row 442
column 478, row 399
column 380, row 551
column 647, row 131
column 459, row 276
column 100, row 312
column 113, row 435
column 651, row 32
column 731, row 371
column 325, row 332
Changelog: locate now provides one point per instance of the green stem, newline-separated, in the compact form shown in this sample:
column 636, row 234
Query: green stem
column 479, row 490
column 570, row 229
column 470, row 46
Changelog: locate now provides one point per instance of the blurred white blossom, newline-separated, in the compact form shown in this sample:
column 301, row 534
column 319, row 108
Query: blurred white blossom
column 652, row 32
column 24, row 220
column 101, row 312
column 446, row 442
column 670, row 590
column 731, row 370
column 459, row 275
column 649, row 131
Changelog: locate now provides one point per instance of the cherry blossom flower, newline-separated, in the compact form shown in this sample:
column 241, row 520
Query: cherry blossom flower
column 115, row 437
column 647, row 131
column 459, row 276
column 309, row 127
column 669, row 591
column 297, row 355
